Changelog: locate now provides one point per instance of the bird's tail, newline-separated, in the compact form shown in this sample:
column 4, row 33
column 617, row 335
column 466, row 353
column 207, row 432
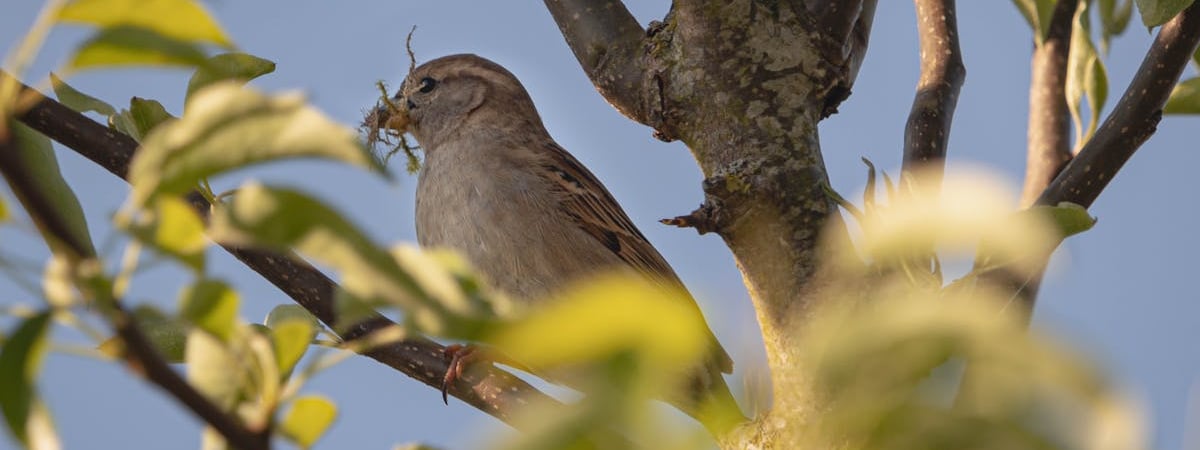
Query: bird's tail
column 708, row 400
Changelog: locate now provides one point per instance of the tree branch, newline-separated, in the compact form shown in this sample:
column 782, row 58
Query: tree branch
column 1135, row 116
column 1049, row 139
column 608, row 43
column 493, row 391
column 836, row 18
column 942, row 72
column 137, row 348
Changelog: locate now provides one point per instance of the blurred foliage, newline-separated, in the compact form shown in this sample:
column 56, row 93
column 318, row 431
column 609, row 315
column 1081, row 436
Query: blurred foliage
column 897, row 357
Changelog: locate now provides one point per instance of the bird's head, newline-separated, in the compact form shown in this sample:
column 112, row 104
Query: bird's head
column 458, row 94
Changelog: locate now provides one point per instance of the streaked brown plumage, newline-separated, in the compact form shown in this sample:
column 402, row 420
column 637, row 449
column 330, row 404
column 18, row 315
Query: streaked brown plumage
column 495, row 186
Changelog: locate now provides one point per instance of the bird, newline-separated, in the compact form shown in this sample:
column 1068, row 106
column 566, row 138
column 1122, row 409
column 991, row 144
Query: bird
column 496, row 187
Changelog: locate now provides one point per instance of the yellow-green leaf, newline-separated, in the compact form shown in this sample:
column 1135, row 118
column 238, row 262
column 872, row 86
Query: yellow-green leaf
column 292, row 330
column 147, row 114
column 212, row 305
column 213, row 368
column 240, row 67
column 171, row 227
column 308, row 419
column 77, row 100
column 1185, row 99
column 1037, row 13
column 20, row 360
column 180, row 19
column 1069, row 218
column 225, row 127
column 133, row 46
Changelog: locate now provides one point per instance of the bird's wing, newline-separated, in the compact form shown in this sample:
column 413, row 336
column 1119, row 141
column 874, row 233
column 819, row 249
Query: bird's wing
column 595, row 210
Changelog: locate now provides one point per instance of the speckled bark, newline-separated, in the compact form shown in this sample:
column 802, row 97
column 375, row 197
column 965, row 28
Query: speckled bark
column 744, row 83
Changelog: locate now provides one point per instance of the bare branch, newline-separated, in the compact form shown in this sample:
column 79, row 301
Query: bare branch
column 607, row 41
column 1135, row 116
column 942, row 74
column 137, row 348
column 493, row 391
column 1049, row 120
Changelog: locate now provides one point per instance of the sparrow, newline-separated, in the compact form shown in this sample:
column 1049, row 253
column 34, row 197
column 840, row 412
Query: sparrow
column 498, row 189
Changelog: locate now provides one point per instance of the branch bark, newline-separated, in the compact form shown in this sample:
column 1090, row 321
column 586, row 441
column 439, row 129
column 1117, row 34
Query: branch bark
column 137, row 347
column 607, row 42
column 744, row 83
column 942, row 73
column 492, row 391
column 1049, row 141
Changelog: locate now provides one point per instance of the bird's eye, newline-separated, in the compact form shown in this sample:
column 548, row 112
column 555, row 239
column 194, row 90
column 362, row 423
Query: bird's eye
column 427, row 84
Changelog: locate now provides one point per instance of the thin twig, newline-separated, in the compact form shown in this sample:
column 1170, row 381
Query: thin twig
column 138, row 348
column 942, row 74
column 1049, row 142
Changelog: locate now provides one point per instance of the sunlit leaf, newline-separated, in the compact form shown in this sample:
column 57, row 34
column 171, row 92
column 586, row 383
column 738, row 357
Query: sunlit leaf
column 1185, row 99
column 213, row 368
column 212, row 305
column 308, row 419
column 133, row 46
column 58, row 283
column 1158, row 12
column 180, row 19
column 20, row 360
column 77, row 100
column 241, row 67
column 292, row 330
column 1069, row 218
column 287, row 219
column 172, row 227
column 226, row 127
column 38, row 160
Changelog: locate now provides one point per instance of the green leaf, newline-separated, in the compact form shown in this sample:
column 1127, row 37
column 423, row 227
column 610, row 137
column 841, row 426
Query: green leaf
column 287, row 219
column 38, row 159
column 241, row 67
column 213, row 369
column 172, row 228
column 185, row 20
column 166, row 334
column 147, row 114
column 212, row 305
column 226, row 127
column 1068, row 218
column 20, row 359
column 1158, row 12
column 132, row 46
column 1185, row 98
column 308, row 419
column 1085, row 77
column 292, row 329
column 77, row 100
column 1037, row 14
column 1114, row 18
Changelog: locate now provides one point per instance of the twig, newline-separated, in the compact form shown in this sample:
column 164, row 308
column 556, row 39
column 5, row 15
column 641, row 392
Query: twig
column 495, row 392
column 942, row 72
column 1049, row 139
column 138, row 348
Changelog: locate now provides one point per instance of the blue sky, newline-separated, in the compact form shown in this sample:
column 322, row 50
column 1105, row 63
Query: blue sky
column 1123, row 293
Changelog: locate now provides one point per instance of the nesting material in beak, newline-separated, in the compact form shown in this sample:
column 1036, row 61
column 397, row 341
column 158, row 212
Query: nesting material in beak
column 395, row 120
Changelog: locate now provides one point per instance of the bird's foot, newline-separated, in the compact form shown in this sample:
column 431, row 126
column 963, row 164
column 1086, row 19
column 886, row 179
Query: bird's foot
column 460, row 355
